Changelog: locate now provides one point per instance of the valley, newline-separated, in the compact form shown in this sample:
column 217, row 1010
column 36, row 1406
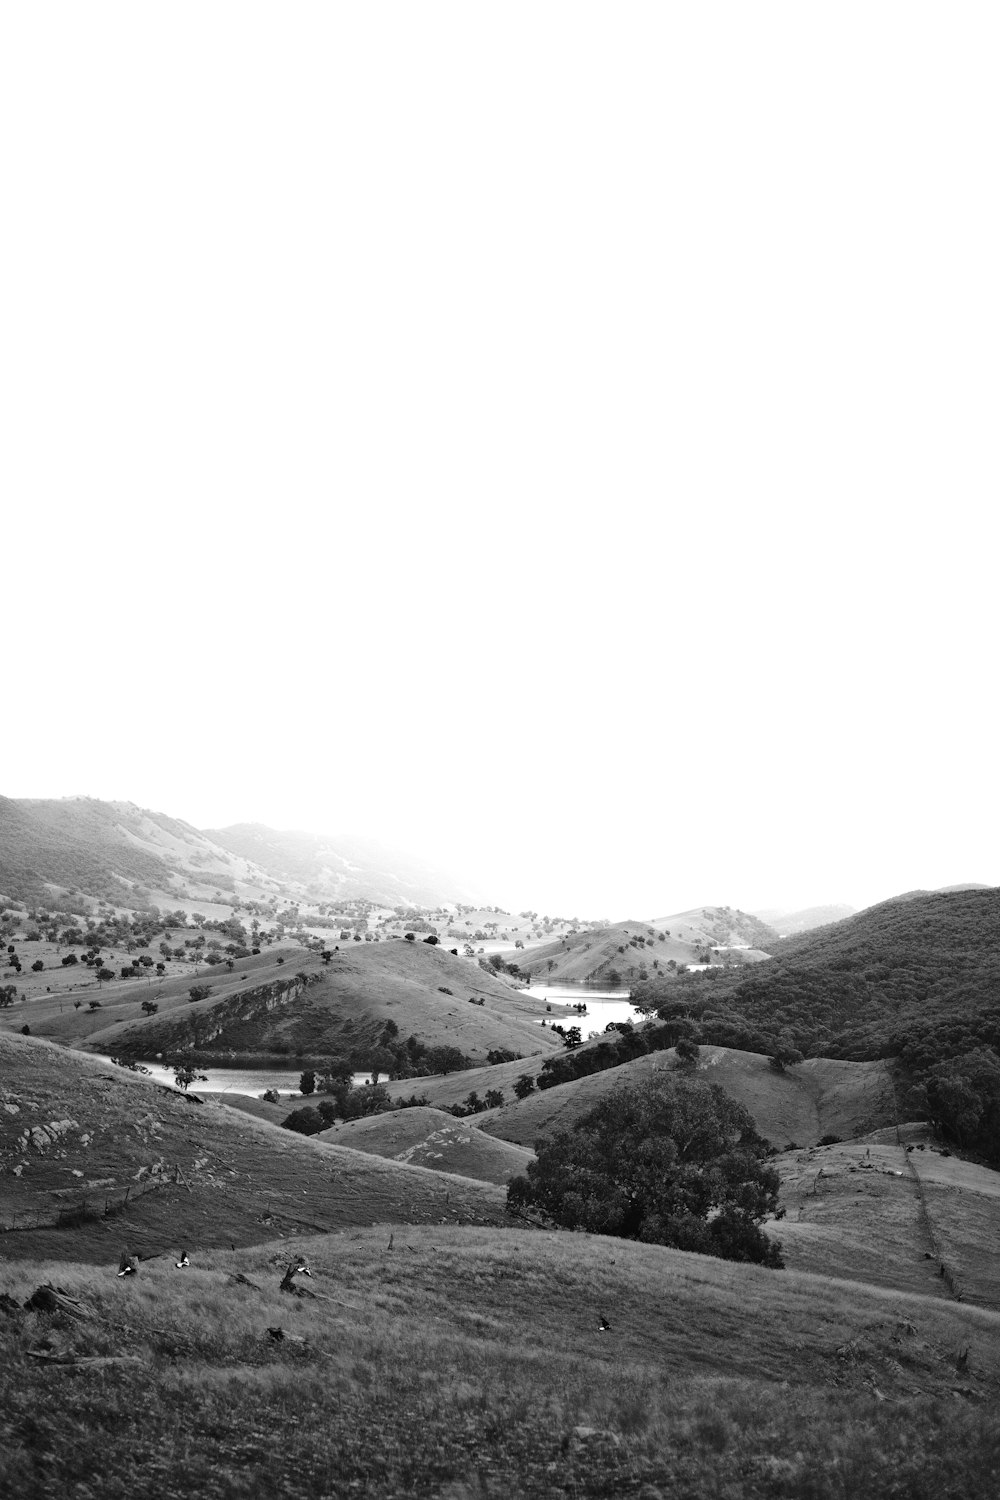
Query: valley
column 449, row 1342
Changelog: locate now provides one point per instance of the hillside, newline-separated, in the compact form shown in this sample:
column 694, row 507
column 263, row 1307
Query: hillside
column 342, row 1008
column 66, row 853
column 458, row 1362
column 432, row 1138
column 85, row 1146
column 802, row 1104
column 625, row 953
column 787, row 923
column 55, row 850
column 346, row 867
column 718, row 927
column 918, row 977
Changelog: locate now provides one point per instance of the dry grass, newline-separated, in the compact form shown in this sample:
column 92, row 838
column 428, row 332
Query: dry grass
column 462, row 1363
column 817, row 1098
column 432, row 1138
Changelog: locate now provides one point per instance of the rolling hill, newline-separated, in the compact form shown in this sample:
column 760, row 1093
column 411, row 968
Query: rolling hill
column 787, row 923
column 67, row 852
column 426, row 1137
column 917, row 977
column 85, row 1146
column 341, row 1007
column 624, row 953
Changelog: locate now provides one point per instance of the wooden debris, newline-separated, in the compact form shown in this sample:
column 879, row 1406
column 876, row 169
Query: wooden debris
column 53, row 1299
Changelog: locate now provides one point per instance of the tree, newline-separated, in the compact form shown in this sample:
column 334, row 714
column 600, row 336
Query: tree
column 524, row 1085
column 150, row 1007
column 67, row 959
column 37, row 966
column 185, row 1075
column 307, row 1121
column 669, row 1161
column 199, row 991
column 493, row 1098
column 307, row 1083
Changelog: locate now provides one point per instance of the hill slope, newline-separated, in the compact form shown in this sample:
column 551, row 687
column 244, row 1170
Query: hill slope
column 171, row 1169
column 802, row 1104
column 624, row 953
column 345, row 1005
column 432, row 1138
column 134, row 857
column 339, row 868
column 921, row 973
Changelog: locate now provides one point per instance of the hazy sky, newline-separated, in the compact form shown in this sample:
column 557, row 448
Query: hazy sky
column 560, row 438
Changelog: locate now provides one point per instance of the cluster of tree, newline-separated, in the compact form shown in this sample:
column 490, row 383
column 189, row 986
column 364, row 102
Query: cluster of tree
column 349, row 1101
column 669, row 1161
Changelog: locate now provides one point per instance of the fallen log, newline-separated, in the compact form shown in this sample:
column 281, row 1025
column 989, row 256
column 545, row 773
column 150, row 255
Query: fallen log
column 53, row 1299
column 84, row 1361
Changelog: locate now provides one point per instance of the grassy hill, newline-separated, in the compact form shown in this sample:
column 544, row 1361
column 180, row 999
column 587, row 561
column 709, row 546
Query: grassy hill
column 466, row 1362
column 432, row 1138
column 92, row 1155
column 339, row 868
column 921, row 973
column 439, row 1350
column 79, row 850
column 625, row 953
column 59, row 850
column 802, row 1104
column 342, row 1009
column 786, row 923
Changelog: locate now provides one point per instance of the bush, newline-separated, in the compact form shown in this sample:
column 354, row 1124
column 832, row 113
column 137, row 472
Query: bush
column 306, row 1121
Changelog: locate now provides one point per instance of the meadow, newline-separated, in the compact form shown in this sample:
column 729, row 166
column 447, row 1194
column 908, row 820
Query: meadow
column 470, row 1363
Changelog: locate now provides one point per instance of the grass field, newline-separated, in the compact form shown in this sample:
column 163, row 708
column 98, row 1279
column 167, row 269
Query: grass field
column 469, row 1363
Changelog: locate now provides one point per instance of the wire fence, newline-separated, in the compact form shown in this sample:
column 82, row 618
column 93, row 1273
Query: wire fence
column 88, row 1207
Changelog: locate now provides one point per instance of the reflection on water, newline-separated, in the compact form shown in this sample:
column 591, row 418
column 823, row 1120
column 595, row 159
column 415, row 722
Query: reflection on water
column 603, row 1006
column 250, row 1081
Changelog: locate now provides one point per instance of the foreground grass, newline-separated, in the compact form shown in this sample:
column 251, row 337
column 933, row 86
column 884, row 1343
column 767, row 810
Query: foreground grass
column 465, row 1362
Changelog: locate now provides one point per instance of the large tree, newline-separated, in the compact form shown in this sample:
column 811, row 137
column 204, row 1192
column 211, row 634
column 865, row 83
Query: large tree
column 671, row 1160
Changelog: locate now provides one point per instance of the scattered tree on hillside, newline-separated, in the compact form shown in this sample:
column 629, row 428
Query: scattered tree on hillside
column 307, row 1082
column 524, row 1085
column 670, row 1161
column 185, row 1075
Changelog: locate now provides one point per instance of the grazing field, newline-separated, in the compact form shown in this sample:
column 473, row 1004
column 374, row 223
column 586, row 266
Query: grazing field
column 802, row 1104
column 111, row 1156
column 432, row 1138
column 460, row 1362
column 425, row 991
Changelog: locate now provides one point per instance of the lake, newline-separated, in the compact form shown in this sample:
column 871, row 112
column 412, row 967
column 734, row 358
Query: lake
column 250, row 1081
column 603, row 1006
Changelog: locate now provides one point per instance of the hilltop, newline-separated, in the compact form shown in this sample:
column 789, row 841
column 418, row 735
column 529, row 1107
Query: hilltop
column 787, row 923
column 628, row 952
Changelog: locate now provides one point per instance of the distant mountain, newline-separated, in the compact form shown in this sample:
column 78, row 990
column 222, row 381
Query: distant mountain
column 71, row 852
column 340, row 868
column 719, row 927
column 785, row 923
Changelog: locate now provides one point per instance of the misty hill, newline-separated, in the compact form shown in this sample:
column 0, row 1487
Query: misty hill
column 917, row 977
column 719, row 927
column 628, row 952
column 68, row 852
column 786, row 923
column 343, row 868
column 341, row 1010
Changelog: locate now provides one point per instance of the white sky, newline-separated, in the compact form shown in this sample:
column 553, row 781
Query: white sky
column 558, row 438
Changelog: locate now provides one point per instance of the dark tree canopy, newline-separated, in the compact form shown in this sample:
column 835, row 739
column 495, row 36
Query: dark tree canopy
column 671, row 1161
